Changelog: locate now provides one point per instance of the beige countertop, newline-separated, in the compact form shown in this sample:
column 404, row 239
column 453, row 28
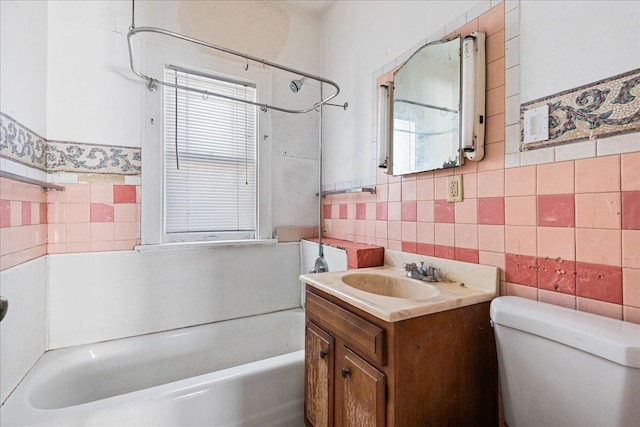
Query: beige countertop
column 464, row 284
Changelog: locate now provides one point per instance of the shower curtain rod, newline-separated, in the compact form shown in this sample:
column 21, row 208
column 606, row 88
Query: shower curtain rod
column 152, row 83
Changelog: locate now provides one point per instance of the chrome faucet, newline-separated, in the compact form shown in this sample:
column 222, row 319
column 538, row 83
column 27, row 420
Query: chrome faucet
column 427, row 274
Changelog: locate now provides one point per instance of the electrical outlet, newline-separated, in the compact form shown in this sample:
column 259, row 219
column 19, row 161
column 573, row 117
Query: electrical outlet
column 454, row 188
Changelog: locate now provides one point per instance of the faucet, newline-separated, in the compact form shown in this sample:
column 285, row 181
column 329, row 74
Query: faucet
column 421, row 273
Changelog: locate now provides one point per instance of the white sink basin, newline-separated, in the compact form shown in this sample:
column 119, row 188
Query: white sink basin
column 395, row 287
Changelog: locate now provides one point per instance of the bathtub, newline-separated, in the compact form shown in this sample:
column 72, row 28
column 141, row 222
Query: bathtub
column 242, row 372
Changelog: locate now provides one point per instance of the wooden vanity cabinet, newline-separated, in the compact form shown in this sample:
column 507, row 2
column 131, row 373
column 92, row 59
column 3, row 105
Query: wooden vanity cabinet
column 434, row 370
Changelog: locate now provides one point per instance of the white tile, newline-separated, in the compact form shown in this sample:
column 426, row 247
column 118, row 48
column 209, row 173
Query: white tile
column 512, row 81
column 512, row 139
column 23, row 328
column 536, row 157
column 512, row 24
column 455, row 24
column 510, row 5
column 64, row 178
column 478, row 10
column 13, row 167
column 512, row 160
column 418, row 46
column 133, row 180
column 495, row 2
column 402, row 58
column 437, row 35
column 618, row 144
column 512, row 52
column 576, row 150
column 512, row 110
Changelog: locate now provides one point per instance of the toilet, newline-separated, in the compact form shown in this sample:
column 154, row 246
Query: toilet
column 562, row 367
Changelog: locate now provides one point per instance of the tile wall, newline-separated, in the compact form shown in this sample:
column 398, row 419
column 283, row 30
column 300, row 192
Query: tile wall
column 567, row 233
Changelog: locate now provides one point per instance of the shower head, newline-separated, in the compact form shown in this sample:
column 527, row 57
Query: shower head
column 296, row 85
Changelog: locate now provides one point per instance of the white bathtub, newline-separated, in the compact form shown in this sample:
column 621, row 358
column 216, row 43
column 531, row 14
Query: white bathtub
column 242, row 372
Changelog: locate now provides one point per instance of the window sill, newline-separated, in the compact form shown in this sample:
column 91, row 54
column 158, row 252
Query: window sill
column 203, row 245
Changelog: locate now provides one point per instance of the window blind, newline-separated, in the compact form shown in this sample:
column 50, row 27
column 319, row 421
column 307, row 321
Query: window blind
column 210, row 156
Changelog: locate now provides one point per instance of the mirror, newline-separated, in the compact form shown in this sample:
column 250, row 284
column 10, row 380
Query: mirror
column 426, row 102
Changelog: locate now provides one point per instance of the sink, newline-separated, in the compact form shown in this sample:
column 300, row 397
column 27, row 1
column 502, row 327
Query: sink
column 388, row 286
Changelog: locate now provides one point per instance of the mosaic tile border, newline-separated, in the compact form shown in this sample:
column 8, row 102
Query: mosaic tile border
column 22, row 145
column 596, row 110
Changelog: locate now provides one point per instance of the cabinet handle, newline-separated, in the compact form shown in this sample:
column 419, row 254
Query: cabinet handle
column 345, row 372
column 323, row 354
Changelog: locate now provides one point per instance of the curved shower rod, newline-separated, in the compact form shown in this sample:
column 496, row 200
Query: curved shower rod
column 152, row 83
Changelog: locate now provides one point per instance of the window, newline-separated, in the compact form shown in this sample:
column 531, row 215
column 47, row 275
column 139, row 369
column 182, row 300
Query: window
column 218, row 187
column 209, row 158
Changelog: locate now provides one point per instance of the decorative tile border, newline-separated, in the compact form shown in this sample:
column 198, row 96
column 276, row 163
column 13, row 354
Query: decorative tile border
column 603, row 108
column 21, row 144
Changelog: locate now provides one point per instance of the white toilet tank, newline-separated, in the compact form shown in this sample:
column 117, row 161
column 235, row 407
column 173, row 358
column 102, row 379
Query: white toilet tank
column 562, row 367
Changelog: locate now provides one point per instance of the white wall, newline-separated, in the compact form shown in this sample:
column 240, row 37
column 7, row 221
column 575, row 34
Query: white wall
column 360, row 37
column 110, row 295
column 566, row 44
column 22, row 331
column 23, row 72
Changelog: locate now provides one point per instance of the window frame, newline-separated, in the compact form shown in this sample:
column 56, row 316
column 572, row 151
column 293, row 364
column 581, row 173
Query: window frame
column 157, row 57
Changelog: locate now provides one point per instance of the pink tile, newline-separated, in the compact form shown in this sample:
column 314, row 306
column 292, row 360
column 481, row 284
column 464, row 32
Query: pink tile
column 631, row 314
column 44, row 213
column 598, row 246
column 466, row 236
column 26, row 213
column 556, row 178
column 409, row 211
column 394, row 211
column 125, row 231
column 370, row 211
column 491, row 210
column 409, row 247
column 344, row 211
column 556, row 242
column 56, row 213
column 408, row 190
column 77, row 193
column 631, row 248
column 598, row 210
column 103, row 193
column 521, row 240
column 491, row 183
column 361, row 211
column 56, row 248
column 631, row 287
column 395, row 192
column 394, row 230
column 381, row 211
column 382, row 192
column 425, row 232
column 601, row 308
column 440, row 188
column 102, row 246
column 424, row 189
column 467, row 255
column 351, row 211
column 557, row 298
column 5, row 213
column 520, row 181
column 56, row 233
column 100, row 212
column 77, row 247
column 124, row 194
column 125, row 245
column 491, row 238
column 630, row 174
column 520, row 210
column 16, row 213
column 381, row 229
column 556, row 210
column 394, row 245
column 77, row 212
column 35, row 212
column 494, row 259
column 444, row 234
column 447, row 252
column 425, row 249
column 335, row 211
column 493, row 157
column 76, row 233
column 523, row 291
column 444, row 211
column 467, row 211
column 102, row 231
column 557, row 275
column 469, row 186
column 521, row 269
column 631, row 210
column 425, row 211
column 598, row 175
column 409, row 231
column 326, row 211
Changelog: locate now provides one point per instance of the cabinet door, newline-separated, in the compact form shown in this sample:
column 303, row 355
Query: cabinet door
column 363, row 392
column 318, row 389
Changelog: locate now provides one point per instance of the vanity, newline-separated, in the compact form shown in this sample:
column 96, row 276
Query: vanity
column 382, row 349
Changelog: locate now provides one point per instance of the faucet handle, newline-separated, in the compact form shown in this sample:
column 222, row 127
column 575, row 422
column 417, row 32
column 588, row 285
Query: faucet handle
column 408, row 266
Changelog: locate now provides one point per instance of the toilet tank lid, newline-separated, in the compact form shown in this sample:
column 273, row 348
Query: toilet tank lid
column 612, row 339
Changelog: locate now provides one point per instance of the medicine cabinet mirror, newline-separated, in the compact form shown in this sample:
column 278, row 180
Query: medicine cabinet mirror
column 426, row 103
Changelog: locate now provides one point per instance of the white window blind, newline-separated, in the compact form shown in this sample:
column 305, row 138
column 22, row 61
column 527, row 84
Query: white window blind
column 210, row 185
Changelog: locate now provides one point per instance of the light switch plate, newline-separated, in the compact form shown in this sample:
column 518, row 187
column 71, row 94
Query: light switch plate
column 536, row 124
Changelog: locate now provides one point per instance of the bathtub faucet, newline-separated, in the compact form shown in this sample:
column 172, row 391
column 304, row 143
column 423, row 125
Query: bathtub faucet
column 427, row 274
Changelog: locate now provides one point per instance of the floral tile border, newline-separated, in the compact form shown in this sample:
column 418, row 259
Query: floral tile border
column 22, row 145
column 603, row 108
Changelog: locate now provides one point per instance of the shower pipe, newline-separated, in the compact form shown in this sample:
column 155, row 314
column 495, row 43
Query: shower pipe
column 152, row 85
